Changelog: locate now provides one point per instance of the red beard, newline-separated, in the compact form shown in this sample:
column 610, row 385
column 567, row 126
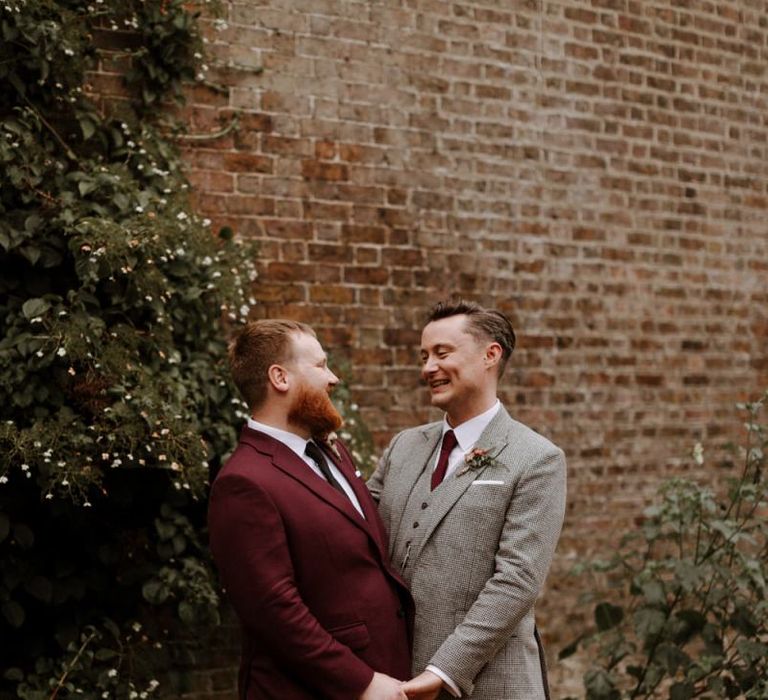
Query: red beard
column 313, row 410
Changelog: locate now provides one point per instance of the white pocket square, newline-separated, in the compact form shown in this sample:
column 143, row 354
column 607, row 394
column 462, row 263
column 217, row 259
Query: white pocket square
column 487, row 482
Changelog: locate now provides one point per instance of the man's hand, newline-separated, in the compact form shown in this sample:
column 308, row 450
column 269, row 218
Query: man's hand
column 426, row 686
column 383, row 687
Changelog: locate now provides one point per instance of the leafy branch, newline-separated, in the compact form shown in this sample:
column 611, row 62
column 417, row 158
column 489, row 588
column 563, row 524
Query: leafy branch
column 692, row 614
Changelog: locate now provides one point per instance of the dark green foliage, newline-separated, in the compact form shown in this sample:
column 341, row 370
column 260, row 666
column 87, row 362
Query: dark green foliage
column 114, row 394
column 687, row 616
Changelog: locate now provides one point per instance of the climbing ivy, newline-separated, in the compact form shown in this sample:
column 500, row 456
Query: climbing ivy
column 115, row 299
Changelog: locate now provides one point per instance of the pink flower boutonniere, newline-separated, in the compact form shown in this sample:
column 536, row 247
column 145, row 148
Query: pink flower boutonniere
column 475, row 460
column 330, row 442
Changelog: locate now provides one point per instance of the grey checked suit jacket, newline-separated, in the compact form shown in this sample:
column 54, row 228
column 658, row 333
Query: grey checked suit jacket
column 476, row 555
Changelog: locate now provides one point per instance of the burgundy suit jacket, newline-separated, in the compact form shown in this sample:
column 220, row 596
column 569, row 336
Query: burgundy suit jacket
column 310, row 580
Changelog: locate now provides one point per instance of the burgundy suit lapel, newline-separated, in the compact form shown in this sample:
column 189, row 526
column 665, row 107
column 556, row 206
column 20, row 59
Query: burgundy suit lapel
column 373, row 521
column 289, row 462
column 343, row 462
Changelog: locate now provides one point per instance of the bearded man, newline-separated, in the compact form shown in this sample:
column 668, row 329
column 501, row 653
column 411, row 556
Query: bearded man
column 300, row 548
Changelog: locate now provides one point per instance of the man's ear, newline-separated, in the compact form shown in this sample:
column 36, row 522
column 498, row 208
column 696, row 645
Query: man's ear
column 278, row 378
column 493, row 355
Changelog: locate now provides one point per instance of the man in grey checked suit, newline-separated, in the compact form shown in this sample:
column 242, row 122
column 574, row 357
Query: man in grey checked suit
column 473, row 505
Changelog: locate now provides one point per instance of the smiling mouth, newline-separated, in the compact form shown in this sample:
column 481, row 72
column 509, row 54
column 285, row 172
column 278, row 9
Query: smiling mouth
column 438, row 383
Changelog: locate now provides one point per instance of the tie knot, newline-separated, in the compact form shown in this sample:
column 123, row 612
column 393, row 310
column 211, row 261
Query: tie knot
column 449, row 441
column 314, row 452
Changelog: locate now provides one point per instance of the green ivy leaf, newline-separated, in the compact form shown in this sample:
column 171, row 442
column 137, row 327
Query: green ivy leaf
column 671, row 657
column 187, row 612
column 570, row 649
column 13, row 613
column 87, row 127
column 752, row 651
column 743, row 619
column 608, row 616
column 85, row 187
column 654, row 592
column 155, row 592
column 179, row 544
column 649, row 623
column 34, row 307
column 691, row 622
column 600, row 685
column 165, row 529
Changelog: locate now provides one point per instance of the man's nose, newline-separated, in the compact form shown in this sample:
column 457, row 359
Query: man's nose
column 333, row 380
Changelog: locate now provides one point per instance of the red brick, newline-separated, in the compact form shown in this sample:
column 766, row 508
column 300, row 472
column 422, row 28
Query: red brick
column 324, row 171
column 334, row 294
column 247, row 163
column 366, row 275
column 325, row 150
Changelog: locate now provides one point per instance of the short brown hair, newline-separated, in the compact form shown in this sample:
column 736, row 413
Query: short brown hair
column 482, row 324
column 257, row 346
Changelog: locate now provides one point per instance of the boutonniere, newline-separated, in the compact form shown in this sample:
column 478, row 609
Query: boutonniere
column 330, row 442
column 475, row 460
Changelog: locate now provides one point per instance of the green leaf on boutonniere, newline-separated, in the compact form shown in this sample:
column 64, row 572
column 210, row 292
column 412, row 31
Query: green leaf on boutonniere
column 476, row 459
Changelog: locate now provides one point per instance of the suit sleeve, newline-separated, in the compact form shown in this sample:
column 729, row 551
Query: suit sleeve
column 250, row 548
column 526, row 547
column 376, row 483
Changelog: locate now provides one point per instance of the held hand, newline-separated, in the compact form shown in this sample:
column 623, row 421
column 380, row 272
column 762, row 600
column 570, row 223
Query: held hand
column 382, row 687
column 426, row 686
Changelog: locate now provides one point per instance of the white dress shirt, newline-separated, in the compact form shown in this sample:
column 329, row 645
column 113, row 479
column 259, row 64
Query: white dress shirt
column 467, row 434
column 298, row 444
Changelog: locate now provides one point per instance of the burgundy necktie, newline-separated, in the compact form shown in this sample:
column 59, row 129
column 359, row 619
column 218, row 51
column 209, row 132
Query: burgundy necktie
column 449, row 442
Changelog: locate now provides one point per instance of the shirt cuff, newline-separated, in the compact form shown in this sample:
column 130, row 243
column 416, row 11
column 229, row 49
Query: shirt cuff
column 452, row 688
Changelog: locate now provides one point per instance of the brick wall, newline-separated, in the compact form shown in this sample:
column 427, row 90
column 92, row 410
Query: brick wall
column 598, row 169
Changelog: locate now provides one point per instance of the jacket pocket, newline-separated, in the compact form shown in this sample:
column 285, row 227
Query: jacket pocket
column 354, row 636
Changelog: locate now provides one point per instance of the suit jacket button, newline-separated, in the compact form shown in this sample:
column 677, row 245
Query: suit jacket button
column 416, row 524
column 423, row 506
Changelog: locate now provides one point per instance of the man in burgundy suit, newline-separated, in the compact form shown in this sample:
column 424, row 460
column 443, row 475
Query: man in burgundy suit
column 297, row 539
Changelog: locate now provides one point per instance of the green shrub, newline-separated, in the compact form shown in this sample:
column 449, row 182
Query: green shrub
column 687, row 615
column 114, row 394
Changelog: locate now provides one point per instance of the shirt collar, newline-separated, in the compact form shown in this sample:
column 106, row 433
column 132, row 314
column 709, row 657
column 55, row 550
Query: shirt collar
column 469, row 432
column 295, row 442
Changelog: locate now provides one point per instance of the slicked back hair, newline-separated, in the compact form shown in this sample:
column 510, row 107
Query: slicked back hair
column 482, row 324
column 256, row 347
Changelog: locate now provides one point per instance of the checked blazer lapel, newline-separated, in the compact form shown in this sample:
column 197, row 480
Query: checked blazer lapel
column 494, row 440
